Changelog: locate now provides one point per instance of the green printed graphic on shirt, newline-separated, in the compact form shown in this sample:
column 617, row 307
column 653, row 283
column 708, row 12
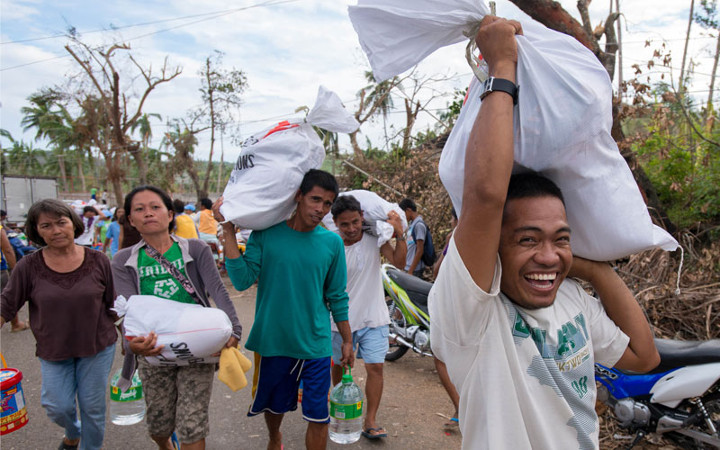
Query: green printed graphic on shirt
column 571, row 349
column 346, row 412
column 156, row 280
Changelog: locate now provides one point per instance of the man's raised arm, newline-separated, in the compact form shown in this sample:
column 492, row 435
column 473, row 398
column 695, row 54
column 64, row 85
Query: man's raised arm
column 489, row 156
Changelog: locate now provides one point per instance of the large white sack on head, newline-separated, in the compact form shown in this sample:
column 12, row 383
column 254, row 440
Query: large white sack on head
column 397, row 34
column 562, row 122
column 190, row 333
column 375, row 213
column 272, row 163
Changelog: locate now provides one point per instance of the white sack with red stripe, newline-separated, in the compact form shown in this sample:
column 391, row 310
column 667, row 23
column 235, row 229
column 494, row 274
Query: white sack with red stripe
column 562, row 121
column 190, row 333
column 262, row 187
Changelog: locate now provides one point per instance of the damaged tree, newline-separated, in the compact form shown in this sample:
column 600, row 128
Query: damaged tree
column 119, row 110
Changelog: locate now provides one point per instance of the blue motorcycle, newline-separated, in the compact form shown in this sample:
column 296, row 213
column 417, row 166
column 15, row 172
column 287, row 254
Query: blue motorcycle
column 680, row 399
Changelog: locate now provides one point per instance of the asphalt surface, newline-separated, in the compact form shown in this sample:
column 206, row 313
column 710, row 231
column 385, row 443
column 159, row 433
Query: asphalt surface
column 412, row 407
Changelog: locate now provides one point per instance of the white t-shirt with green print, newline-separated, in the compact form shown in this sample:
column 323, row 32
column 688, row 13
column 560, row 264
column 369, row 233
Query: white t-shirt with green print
column 525, row 377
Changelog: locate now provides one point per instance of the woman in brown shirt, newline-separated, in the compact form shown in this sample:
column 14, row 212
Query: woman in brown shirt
column 70, row 291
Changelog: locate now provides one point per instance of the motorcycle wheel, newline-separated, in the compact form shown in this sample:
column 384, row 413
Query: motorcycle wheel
column 397, row 321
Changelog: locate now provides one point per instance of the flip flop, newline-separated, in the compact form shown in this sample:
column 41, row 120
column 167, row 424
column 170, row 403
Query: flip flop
column 452, row 425
column 379, row 433
column 64, row 446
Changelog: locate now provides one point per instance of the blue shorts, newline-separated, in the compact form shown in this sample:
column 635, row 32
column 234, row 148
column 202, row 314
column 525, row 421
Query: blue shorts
column 371, row 344
column 276, row 381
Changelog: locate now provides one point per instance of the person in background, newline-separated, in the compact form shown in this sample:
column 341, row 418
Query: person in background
column 177, row 397
column 6, row 265
column 207, row 225
column 453, row 424
column 129, row 236
column 89, row 216
column 112, row 236
column 70, row 292
column 190, row 211
column 184, row 225
column 416, row 235
column 101, row 227
column 300, row 270
column 368, row 312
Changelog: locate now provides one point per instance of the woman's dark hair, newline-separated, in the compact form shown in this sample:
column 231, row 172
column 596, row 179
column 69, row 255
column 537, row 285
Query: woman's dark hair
column 345, row 203
column 321, row 179
column 89, row 208
column 163, row 196
column 54, row 208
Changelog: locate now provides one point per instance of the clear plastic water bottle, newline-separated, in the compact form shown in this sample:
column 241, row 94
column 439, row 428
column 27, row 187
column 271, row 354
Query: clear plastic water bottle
column 126, row 408
column 346, row 411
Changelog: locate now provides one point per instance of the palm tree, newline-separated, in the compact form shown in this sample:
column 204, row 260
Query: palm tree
column 375, row 99
column 138, row 152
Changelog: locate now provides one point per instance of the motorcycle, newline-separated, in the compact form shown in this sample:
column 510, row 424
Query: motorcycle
column 679, row 399
column 407, row 300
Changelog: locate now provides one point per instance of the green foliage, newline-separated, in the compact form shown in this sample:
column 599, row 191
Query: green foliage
column 685, row 172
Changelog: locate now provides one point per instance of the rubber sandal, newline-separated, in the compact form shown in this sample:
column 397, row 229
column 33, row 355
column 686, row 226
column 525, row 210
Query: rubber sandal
column 64, row 446
column 452, row 425
column 174, row 441
column 380, row 433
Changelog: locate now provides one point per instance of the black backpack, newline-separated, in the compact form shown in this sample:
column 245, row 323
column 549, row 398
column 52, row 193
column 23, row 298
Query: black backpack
column 428, row 256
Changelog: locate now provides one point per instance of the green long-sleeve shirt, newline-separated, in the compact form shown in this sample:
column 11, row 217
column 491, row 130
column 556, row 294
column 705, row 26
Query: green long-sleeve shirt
column 300, row 275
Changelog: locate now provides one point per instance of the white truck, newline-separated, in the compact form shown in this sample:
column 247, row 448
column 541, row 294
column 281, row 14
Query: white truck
column 18, row 192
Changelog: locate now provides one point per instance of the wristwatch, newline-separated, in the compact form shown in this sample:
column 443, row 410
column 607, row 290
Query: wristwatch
column 493, row 84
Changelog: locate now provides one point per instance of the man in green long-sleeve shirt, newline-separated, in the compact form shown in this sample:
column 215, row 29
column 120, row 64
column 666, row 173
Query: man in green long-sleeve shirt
column 301, row 273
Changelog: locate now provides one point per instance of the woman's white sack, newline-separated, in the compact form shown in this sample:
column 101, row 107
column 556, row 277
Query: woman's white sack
column 562, row 122
column 272, row 163
column 189, row 333
column 375, row 213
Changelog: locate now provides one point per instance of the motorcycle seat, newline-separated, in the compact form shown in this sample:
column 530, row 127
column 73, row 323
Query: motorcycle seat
column 674, row 354
column 416, row 288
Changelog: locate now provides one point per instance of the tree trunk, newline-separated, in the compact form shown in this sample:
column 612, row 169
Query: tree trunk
column 354, row 143
column 206, row 182
column 63, row 173
column 137, row 154
column 81, row 172
column 681, row 88
column 222, row 163
column 709, row 108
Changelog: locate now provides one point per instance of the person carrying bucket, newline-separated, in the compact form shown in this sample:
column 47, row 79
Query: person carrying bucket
column 70, row 291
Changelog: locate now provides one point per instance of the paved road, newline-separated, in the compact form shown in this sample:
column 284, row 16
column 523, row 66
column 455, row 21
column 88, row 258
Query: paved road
column 412, row 400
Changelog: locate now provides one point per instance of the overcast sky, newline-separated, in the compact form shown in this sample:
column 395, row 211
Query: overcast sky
column 286, row 49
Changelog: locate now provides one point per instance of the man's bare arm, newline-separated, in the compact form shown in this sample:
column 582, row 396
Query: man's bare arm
column 489, row 156
column 395, row 256
column 621, row 306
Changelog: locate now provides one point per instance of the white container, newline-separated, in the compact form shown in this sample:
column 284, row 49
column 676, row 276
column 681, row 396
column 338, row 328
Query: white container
column 346, row 411
column 126, row 408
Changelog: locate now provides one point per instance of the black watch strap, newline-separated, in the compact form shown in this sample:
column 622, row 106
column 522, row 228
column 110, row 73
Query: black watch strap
column 493, row 84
